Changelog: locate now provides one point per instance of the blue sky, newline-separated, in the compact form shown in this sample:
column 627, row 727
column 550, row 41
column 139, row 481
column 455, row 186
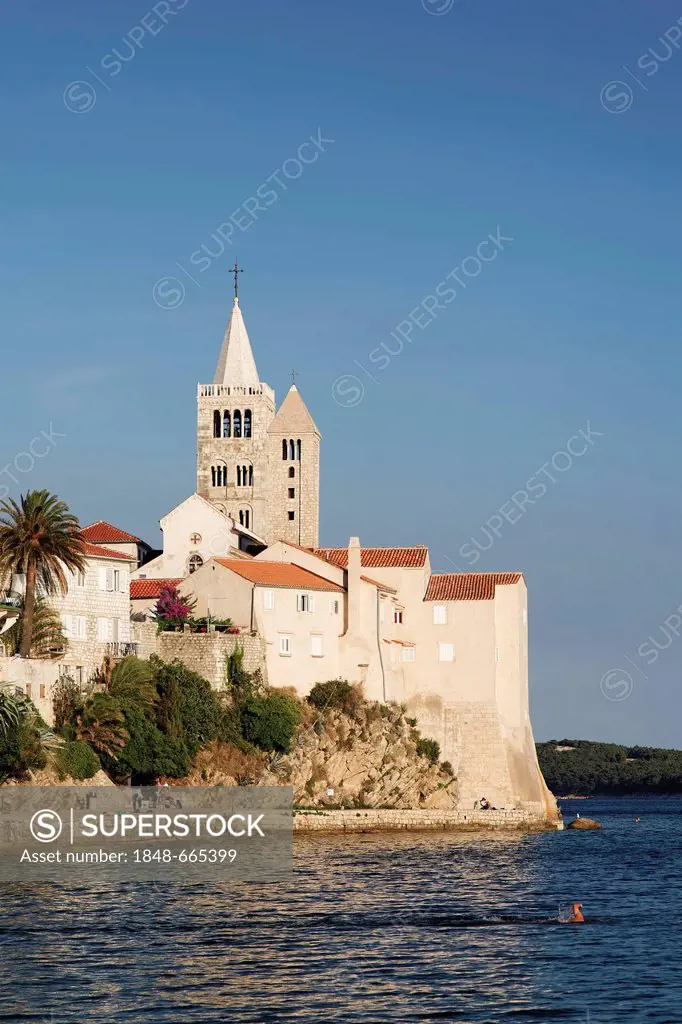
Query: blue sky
column 446, row 127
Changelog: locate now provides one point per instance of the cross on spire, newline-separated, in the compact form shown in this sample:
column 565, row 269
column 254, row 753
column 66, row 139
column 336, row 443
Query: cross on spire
column 294, row 374
column 236, row 270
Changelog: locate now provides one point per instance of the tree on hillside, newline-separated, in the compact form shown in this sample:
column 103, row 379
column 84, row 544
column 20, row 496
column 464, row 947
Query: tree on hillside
column 39, row 538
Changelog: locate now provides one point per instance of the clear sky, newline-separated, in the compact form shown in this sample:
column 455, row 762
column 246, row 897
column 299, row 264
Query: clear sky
column 450, row 122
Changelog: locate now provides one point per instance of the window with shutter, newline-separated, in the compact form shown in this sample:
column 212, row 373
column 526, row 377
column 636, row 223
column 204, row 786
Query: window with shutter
column 102, row 579
column 269, row 599
column 102, row 630
column 285, row 644
column 316, row 646
column 446, row 652
column 440, row 614
column 110, row 579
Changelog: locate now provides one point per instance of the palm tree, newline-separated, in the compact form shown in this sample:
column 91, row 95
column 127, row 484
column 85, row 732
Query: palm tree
column 130, row 680
column 39, row 538
column 101, row 723
column 48, row 633
column 13, row 708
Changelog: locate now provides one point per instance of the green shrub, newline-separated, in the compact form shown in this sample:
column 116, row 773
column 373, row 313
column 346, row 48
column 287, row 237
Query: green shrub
column 447, row 768
column 188, row 710
column 76, row 759
column 21, row 750
column 67, row 703
column 148, row 752
column 412, row 722
column 270, row 721
column 338, row 694
column 429, row 749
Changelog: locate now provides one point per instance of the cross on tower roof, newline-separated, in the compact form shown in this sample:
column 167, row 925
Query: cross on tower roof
column 294, row 374
column 236, row 270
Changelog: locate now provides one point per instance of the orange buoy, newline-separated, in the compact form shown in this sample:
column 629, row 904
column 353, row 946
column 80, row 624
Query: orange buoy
column 576, row 917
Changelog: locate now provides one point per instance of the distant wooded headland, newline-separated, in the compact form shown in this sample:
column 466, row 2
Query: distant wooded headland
column 585, row 768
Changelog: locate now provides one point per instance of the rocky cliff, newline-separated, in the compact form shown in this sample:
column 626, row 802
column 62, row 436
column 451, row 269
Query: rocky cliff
column 365, row 759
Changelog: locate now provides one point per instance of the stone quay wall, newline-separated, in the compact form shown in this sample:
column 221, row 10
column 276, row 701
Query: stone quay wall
column 381, row 820
column 205, row 653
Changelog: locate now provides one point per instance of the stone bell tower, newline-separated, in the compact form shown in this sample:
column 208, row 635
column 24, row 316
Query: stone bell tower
column 243, row 466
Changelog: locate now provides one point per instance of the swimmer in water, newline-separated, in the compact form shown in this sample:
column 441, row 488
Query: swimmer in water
column 576, row 917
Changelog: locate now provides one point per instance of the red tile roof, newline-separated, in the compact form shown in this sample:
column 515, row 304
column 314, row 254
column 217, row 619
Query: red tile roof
column 150, row 588
column 105, row 533
column 378, row 558
column 93, row 551
column 468, row 586
column 278, row 574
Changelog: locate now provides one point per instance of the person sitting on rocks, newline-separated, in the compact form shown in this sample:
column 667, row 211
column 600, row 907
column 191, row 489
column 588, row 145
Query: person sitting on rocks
column 485, row 806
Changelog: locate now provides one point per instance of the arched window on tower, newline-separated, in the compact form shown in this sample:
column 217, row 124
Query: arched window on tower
column 247, row 423
column 237, row 423
column 226, row 424
column 298, row 450
column 292, row 471
column 292, row 451
column 195, row 562
column 284, row 449
column 250, row 476
column 216, row 423
column 219, row 475
column 245, row 517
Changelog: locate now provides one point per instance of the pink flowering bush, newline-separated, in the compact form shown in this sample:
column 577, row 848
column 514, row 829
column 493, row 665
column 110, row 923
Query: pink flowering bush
column 171, row 609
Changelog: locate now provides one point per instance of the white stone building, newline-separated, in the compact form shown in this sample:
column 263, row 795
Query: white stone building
column 95, row 612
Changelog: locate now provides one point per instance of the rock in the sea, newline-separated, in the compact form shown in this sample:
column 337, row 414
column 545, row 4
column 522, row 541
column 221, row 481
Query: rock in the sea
column 583, row 823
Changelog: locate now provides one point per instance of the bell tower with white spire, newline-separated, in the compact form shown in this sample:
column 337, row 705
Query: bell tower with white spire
column 260, row 468
column 234, row 413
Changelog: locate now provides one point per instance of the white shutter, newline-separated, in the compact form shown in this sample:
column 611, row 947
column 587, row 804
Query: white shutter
column 82, row 627
column 316, row 648
column 110, row 629
column 66, row 626
column 110, row 579
column 102, row 579
column 311, row 602
column 102, row 630
column 125, row 582
column 268, row 599
column 446, row 652
column 440, row 615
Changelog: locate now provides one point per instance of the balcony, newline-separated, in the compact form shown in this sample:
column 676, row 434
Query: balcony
column 122, row 648
column 234, row 391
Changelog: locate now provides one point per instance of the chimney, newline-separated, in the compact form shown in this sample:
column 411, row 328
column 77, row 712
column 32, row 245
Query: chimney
column 353, row 580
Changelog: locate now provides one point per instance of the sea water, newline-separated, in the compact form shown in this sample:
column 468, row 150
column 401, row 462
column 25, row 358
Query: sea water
column 373, row 928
